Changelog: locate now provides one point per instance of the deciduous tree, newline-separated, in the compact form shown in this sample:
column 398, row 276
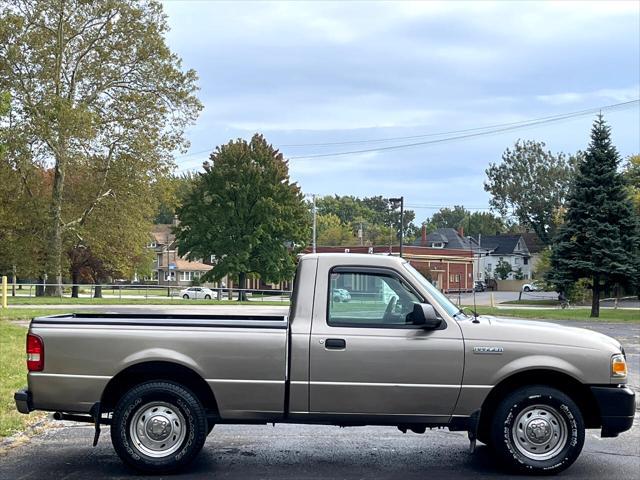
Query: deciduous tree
column 246, row 212
column 632, row 176
column 112, row 242
column 473, row 223
column 21, row 208
column 532, row 182
column 331, row 231
column 503, row 269
column 92, row 81
column 374, row 213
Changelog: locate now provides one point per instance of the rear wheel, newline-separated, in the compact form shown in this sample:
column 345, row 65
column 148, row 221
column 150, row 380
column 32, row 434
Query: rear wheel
column 527, row 289
column 158, row 427
column 537, row 430
column 185, row 296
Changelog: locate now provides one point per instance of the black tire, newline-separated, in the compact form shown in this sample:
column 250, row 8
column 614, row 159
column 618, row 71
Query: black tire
column 537, row 448
column 526, row 289
column 207, row 297
column 168, row 398
column 210, row 426
column 336, row 299
column 185, row 296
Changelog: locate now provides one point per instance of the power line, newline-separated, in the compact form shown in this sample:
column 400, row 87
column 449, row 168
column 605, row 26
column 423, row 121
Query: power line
column 471, row 135
column 466, row 133
column 560, row 116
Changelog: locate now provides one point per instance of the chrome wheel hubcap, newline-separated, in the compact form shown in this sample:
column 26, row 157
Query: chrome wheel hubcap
column 539, row 432
column 157, row 429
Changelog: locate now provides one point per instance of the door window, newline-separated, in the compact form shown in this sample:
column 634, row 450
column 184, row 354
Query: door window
column 363, row 299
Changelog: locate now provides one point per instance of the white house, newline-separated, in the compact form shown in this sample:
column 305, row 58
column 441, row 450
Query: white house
column 491, row 249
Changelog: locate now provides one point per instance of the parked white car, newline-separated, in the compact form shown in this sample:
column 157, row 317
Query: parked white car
column 197, row 293
column 532, row 287
column 341, row 295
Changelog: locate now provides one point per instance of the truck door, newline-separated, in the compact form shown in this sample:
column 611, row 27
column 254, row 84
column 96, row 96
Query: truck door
column 365, row 359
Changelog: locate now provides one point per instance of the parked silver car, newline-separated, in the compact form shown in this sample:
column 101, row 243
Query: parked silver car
column 197, row 293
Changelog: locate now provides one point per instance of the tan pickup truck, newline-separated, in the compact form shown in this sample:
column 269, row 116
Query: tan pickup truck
column 387, row 349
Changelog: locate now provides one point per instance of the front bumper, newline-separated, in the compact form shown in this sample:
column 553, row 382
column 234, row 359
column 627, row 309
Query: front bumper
column 617, row 408
column 24, row 404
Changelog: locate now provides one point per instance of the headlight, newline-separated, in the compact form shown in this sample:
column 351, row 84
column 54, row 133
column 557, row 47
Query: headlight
column 618, row 366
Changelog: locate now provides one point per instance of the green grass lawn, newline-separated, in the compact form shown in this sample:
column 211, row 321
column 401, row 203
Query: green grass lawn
column 14, row 369
column 606, row 314
column 28, row 313
column 531, row 302
column 134, row 301
column 14, row 377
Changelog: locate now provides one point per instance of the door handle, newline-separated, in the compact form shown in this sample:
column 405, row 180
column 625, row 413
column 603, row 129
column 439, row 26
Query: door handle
column 335, row 343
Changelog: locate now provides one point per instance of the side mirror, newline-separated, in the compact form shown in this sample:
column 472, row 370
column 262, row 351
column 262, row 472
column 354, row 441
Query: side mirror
column 425, row 316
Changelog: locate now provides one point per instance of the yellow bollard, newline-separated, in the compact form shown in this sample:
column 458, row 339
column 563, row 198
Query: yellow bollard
column 5, row 287
column 493, row 301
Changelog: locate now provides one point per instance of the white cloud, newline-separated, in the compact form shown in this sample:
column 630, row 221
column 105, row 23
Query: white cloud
column 617, row 95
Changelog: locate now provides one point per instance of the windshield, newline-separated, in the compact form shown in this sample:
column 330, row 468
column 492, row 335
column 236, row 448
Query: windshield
column 438, row 296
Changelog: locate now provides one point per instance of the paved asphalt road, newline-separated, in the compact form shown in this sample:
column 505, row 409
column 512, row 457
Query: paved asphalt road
column 322, row 452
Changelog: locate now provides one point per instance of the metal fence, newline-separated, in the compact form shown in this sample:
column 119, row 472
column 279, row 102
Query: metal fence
column 138, row 291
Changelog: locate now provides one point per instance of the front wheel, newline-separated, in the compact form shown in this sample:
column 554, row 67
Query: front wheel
column 537, row 430
column 158, row 427
column 527, row 289
column 185, row 296
column 207, row 297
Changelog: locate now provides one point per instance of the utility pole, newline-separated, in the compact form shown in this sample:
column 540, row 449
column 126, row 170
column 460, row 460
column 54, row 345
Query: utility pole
column 314, row 222
column 395, row 202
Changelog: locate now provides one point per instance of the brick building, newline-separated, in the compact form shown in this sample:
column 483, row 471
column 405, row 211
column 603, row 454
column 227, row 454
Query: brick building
column 444, row 257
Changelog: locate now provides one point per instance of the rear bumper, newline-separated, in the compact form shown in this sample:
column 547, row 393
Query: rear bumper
column 617, row 408
column 24, row 404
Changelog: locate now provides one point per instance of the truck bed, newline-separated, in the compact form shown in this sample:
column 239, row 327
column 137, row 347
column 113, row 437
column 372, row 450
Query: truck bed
column 242, row 358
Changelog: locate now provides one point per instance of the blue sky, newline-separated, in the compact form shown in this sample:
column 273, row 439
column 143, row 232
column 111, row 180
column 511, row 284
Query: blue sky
column 322, row 72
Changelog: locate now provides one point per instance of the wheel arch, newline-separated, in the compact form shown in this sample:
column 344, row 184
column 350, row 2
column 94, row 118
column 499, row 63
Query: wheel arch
column 157, row 370
column 580, row 393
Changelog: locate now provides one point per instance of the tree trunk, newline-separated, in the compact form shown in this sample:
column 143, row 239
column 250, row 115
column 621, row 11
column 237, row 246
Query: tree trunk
column 97, row 291
column 242, row 281
column 40, row 287
column 595, row 301
column 54, row 252
column 75, row 279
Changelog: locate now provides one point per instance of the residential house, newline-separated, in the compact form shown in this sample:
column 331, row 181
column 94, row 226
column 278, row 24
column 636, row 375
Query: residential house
column 489, row 250
column 535, row 247
column 169, row 268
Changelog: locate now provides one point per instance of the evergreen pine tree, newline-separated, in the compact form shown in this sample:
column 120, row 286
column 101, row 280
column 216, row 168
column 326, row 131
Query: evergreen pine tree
column 600, row 238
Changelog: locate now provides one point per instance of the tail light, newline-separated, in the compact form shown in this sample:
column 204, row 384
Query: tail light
column 35, row 353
